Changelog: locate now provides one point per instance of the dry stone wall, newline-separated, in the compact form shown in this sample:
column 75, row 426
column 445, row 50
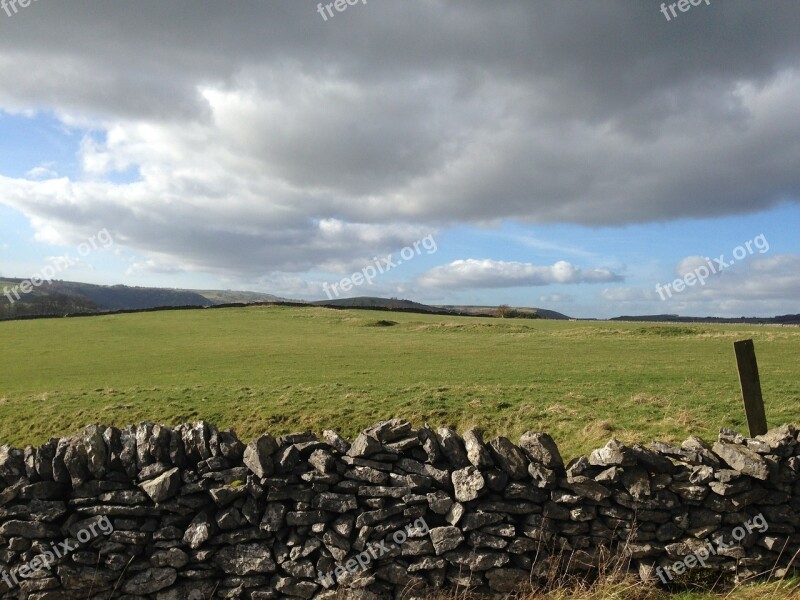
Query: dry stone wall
column 192, row 512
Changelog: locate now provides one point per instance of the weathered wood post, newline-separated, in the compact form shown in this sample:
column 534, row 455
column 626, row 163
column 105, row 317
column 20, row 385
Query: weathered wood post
column 751, row 387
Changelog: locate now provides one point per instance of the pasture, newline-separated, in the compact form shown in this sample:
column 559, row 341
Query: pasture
column 284, row 369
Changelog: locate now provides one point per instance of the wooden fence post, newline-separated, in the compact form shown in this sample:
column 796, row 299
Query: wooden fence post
column 751, row 387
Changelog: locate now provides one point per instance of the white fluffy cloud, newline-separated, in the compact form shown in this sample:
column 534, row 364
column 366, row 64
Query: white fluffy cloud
column 486, row 273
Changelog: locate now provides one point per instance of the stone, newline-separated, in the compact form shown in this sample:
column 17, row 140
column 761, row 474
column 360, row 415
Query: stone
column 578, row 468
column 524, row 491
column 541, row 448
column 389, row 431
column 445, row 539
column 28, row 529
column 652, row 460
column 127, row 452
column 508, row 580
column 323, row 461
column 440, row 502
column 176, row 450
column 700, row 452
column 509, row 458
column 477, row 561
column 153, row 470
column 742, row 459
column 150, row 581
column 142, row 435
column 476, row 450
column 220, row 527
column 293, row 587
column 455, row 513
column 201, row 435
column 701, row 475
column 781, row 440
column 12, row 463
column 165, row 486
column 96, row 450
column 339, row 503
column 729, row 436
column 43, row 463
column 730, row 488
column 587, row 488
column 542, row 476
column 336, row 441
column 430, row 445
column 159, row 443
column 225, row 495
column 80, row 579
column 468, row 483
column 613, row 454
column 364, row 446
column 689, row 491
column 636, row 481
column 199, row 531
column 480, row 519
column 286, row 459
column 173, row 557
column 230, row 518
column 453, row 448
column 244, row 559
column 75, row 461
column 229, row 445
column 258, row 455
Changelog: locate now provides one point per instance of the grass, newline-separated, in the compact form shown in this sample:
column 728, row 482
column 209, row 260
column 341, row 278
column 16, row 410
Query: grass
column 629, row 589
column 283, row 369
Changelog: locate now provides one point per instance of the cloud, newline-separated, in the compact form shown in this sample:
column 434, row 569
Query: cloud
column 41, row 172
column 626, row 294
column 486, row 273
column 153, row 266
column 557, row 299
column 251, row 129
column 763, row 285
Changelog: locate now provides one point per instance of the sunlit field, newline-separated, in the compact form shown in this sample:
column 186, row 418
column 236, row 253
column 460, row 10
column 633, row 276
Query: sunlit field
column 282, row 369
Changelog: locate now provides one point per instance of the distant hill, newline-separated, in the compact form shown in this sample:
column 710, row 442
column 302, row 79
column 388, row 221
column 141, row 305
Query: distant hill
column 542, row 313
column 372, row 302
column 231, row 296
column 116, row 297
column 62, row 297
column 57, row 298
column 779, row 320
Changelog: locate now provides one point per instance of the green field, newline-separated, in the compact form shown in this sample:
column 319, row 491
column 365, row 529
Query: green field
column 282, row 369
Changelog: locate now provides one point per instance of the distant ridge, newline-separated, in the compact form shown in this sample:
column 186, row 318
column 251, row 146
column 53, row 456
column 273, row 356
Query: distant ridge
column 60, row 298
column 70, row 297
column 371, row 302
column 374, row 302
column 779, row 320
column 542, row 313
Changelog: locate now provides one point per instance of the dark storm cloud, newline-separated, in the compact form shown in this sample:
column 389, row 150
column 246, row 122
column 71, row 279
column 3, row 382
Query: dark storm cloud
column 252, row 123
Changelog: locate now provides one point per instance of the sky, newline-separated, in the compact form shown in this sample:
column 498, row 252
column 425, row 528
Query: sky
column 594, row 158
